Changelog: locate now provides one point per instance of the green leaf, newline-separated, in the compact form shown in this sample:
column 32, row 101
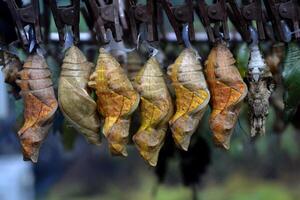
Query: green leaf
column 242, row 56
column 291, row 80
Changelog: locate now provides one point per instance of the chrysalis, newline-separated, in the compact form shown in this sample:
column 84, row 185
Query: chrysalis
column 12, row 65
column 227, row 92
column 291, row 81
column 74, row 97
column 156, row 110
column 192, row 96
column 260, row 85
column 117, row 100
column 40, row 105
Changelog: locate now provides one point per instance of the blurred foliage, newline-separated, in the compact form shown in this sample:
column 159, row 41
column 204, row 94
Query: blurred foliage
column 240, row 187
column 242, row 54
column 237, row 187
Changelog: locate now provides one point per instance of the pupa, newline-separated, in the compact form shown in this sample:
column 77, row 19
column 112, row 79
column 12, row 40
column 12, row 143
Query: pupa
column 192, row 96
column 40, row 105
column 227, row 93
column 116, row 100
column 12, row 65
column 260, row 84
column 156, row 110
column 74, row 99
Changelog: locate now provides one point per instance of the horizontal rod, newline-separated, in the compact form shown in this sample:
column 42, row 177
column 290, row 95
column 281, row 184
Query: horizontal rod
column 170, row 36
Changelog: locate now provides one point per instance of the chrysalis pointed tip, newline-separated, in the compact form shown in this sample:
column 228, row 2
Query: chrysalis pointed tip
column 224, row 145
column 118, row 150
column 32, row 158
column 150, row 157
column 183, row 144
column 222, row 141
column 152, row 163
column 253, row 135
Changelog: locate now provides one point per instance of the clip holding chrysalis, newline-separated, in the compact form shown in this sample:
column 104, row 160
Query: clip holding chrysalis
column 106, row 16
column 27, row 23
column 178, row 16
column 214, row 18
column 143, row 16
column 290, row 10
column 66, row 16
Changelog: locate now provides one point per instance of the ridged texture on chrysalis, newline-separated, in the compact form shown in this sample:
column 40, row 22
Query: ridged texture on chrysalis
column 40, row 105
column 156, row 110
column 227, row 92
column 260, row 87
column 117, row 100
column 192, row 96
column 74, row 97
column 291, row 81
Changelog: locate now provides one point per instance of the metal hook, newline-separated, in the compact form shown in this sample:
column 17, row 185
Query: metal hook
column 152, row 51
column 32, row 41
column 187, row 42
column 24, row 17
column 287, row 31
column 69, row 40
column 113, row 45
column 254, row 36
column 185, row 36
column 178, row 16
